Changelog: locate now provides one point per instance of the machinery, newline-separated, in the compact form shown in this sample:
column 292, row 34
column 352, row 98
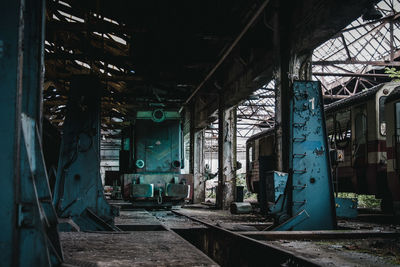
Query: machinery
column 151, row 159
column 303, row 198
column 112, row 185
column 307, row 202
column 78, row 193
column 356, row 130
column 28, row 220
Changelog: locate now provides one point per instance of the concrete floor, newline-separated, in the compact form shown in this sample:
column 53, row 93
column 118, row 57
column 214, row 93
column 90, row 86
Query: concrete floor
column 359, row 252
column 139, row 246
column 149, row 241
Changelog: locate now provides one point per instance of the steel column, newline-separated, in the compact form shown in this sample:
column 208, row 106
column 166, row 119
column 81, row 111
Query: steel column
column 221, row 182
column 27, row 218
column 307, row 202
column 226, row 156
column 282, row 85
column 78, row 191
column 11, row 27
column 192, row 139
column 199, row 181
column 229, row 157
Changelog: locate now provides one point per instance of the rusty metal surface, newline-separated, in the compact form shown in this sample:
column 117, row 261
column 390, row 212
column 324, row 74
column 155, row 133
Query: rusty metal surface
column 241, row 250
column 371, row 245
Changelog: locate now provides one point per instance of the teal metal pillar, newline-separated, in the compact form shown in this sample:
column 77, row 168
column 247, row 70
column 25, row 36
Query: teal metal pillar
column 28, row 220
column 307, row 202
column 78, row 192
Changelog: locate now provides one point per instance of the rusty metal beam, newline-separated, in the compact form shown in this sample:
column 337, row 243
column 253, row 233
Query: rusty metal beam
column 370, row 75
column 346, row 47
column 353, row 62
column 335, row 96
column 384, row 20
column 228, row 51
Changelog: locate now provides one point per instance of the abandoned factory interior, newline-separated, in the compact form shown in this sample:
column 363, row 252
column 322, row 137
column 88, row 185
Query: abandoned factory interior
column 200, row 133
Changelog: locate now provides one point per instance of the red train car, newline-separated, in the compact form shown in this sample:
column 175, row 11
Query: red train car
column 392, row 115
column 356, row 128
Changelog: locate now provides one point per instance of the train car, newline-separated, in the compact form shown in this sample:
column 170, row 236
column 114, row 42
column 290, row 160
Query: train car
column 260, row 158
column 392, row 115
column 357, row 131
column 151, row 159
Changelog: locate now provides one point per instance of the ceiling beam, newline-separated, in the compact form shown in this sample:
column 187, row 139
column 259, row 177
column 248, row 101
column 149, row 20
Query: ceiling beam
column 228, row 51
column 371, row 75
column 353, row 62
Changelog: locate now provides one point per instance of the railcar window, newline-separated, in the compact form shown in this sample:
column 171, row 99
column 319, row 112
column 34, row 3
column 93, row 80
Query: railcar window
column 361, row 128
column 382, row 122
column 342, row 128
column 251, row 154
column 330, row 129
column 329, row 125
column 360, row 138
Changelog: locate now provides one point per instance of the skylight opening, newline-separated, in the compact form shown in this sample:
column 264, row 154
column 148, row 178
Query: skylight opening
column 71, row 18
column 110, row 66
column 369, row 42
column 63, row 3
column 83, row 64
column 110, row 20
column 101, row 35
column 117, row 39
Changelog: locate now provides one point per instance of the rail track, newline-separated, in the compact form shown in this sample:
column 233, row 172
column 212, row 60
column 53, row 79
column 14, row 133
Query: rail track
column 230, row 248
column 227, row 246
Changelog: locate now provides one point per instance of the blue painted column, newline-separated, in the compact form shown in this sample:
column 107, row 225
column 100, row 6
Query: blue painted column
column 10, row 108
column 78, row 191
column 308, row 194
column 28, row 220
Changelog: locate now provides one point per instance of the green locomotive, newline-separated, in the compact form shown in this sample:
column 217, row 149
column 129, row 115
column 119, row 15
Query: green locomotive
column 151, row 159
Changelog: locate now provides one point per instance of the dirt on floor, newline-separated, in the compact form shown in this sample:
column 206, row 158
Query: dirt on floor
column 134, row 247
column 361, row 252
column 143, row 248
column 347, row 252
column 215, row 216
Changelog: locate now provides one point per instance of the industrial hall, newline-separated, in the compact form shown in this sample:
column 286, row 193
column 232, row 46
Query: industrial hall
column 199, row 133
